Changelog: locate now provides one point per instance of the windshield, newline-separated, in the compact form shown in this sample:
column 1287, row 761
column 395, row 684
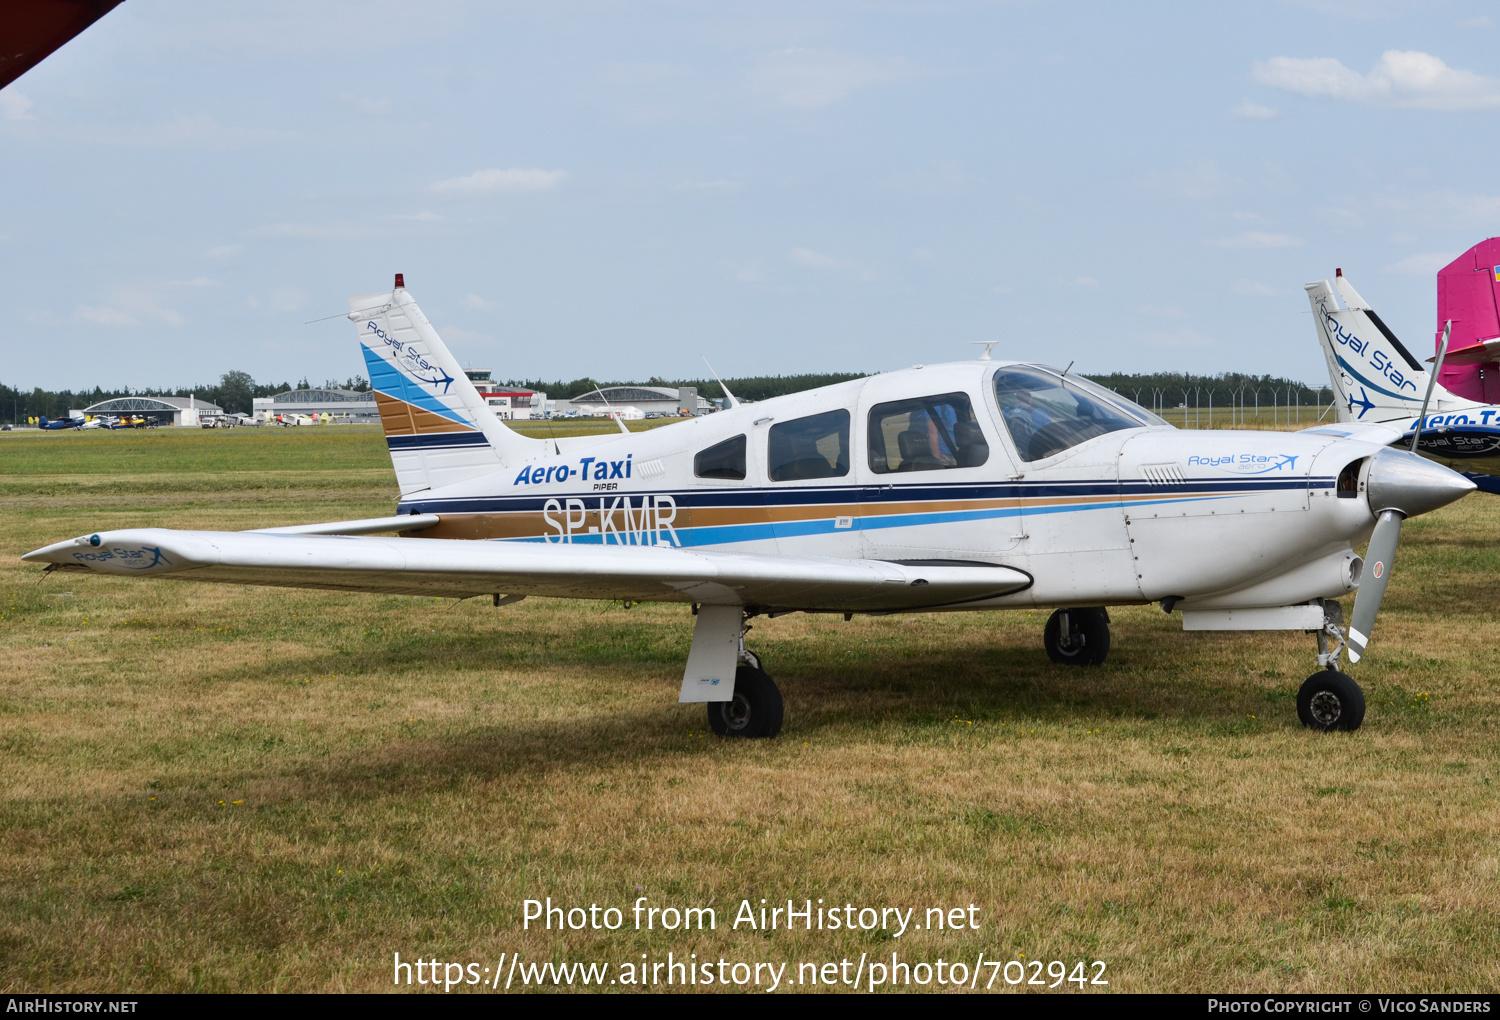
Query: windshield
column 1047, row 414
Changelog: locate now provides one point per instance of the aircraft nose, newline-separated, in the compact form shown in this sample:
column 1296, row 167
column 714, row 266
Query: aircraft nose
column 1413, row 485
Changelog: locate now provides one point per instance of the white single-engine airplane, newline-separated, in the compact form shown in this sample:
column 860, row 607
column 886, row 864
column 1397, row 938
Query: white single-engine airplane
column 1381, row 388
column 967, row 486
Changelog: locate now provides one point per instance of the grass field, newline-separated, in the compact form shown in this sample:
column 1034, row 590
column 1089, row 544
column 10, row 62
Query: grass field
column 226, row 788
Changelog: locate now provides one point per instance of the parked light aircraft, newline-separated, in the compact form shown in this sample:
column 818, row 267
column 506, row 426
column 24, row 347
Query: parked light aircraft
column 969, row 486
column 59, row 424
column 1380, row 388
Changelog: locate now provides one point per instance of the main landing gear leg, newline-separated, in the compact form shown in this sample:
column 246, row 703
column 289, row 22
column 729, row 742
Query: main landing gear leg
column 1329, row 699
column 756, row 710
column 1077, row 637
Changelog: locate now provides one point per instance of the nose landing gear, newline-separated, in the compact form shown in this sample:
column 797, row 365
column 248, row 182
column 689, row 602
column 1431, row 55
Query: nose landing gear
column 1329, row 699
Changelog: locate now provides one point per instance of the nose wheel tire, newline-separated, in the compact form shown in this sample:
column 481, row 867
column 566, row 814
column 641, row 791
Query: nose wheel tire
column 1329, row 700
column 1077, row 637
column 755, row 710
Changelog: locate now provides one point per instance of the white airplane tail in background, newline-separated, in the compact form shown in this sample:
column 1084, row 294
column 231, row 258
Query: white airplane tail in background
column 437, row 426
column 1374, row 377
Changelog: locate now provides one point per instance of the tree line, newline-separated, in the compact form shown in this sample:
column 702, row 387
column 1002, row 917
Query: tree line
column 1158, row 390
column 757, row 387
column 234, row 392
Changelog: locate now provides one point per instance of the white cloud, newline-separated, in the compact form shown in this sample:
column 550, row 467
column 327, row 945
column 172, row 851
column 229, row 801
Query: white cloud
column 1203, row 179
column 224, row 251
column 1258, row 239
column 286, row 299
column 467, row 337
column 812, row 78
column 827, row 263
column 1425, row 264
column 1163, row 311
column 426, row 216
column 1406, row 79
column 923, row 254
column 368, row 107
column 635, row 74
column 1449, row 208
column 314, row 231
column 107, row 316
column 475, row 301
column 1254, row 289
column 197, row 281
column 14, row 106
column 750, row 273
column 939, row 179
column 817, row 260
column 130, row 308
column 719, row 185
column 183, row 132
column 501, row 182
column 1181, row 339
column 1252, row 111
column 1479, row 22
column 1086, row 281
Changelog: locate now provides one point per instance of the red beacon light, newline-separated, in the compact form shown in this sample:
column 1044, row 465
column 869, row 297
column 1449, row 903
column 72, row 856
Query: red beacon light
column 400, row 281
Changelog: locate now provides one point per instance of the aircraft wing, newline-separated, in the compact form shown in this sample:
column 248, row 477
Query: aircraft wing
column 461, row 569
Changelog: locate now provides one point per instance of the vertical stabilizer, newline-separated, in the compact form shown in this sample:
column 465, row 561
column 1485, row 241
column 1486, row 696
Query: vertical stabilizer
column 1374, row 377
column 437, row 426
column 1468, row 295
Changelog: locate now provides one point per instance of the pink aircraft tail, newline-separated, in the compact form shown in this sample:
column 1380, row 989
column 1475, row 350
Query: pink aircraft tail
column 1468, row 292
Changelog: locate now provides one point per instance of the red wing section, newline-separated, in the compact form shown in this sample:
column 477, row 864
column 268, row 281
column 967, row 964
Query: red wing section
column 31, row 29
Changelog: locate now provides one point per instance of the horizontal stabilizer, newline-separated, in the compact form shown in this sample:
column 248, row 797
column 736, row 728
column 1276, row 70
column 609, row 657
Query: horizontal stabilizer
column 461, row 569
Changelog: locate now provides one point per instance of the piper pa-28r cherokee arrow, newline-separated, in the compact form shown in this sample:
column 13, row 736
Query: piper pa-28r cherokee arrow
column 968, row 486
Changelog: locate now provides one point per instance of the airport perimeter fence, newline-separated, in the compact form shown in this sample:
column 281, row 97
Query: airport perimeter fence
column 1285, row 409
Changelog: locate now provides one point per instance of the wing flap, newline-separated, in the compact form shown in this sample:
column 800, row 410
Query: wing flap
column 460, row 569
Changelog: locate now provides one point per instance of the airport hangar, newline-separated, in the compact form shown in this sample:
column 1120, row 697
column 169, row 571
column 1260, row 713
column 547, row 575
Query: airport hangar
column 649, row 399
column 356, row 405
column 165, row 410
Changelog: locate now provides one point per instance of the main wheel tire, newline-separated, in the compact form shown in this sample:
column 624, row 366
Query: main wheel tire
column 755, row 711
column 1329, row 700
column 1086, row 642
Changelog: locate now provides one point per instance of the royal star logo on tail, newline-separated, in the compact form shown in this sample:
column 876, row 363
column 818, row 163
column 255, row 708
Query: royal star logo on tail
column 437, row 426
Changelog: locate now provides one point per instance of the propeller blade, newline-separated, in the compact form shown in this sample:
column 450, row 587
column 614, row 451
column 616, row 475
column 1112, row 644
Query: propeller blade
column 1379, row 558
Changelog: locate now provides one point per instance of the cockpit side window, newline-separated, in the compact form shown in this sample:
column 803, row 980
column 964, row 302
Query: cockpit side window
column 926, row 434
column 722, row 460
column 813, row 447
column 1047, row 414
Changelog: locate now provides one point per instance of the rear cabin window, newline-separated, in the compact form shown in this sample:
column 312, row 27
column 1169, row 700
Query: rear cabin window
column 723, row 460
column 926, row 434
column 813, row 447
column 1047, row 414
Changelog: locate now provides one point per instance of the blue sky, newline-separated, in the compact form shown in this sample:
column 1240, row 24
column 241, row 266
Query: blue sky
column 615, row 190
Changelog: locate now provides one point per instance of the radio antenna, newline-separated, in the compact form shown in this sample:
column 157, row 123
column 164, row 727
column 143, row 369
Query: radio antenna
column 733, row 403
column 619, row 419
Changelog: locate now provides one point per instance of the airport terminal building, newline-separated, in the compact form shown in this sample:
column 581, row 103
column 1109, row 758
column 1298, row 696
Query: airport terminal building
column 507, row 402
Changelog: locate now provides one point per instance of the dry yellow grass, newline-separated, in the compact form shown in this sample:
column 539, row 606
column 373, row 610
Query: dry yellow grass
column 225, row 788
